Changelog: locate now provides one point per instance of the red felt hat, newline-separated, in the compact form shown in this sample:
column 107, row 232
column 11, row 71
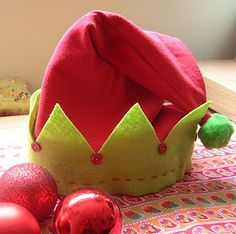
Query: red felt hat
column 104, row 64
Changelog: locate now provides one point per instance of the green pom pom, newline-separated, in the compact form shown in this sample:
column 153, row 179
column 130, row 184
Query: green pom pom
column 216, row 132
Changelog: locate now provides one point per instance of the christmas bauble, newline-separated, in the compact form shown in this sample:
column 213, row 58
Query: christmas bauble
column 87, row 210
column 15, row 219
column 30, row 186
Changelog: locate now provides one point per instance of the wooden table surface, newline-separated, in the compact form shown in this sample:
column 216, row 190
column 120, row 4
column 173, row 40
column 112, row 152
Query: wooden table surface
column 220, row 79
column 13, row 129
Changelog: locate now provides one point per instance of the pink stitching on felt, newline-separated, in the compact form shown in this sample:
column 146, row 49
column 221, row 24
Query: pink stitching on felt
column 87, row 184
column 119, row 179
column 116, row 179
column 128, row 179
column 141, row 179
column 72, row 182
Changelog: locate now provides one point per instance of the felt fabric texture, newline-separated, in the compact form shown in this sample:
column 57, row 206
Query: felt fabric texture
column 216, row 132
column 131, row 162
column 104, row 64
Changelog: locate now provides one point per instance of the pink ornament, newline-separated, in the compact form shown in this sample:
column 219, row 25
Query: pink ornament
column 87, row 210
column 30, row 186
column 16, row 219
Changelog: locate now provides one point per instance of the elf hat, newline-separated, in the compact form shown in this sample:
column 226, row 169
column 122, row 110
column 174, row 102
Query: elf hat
column 100, row 118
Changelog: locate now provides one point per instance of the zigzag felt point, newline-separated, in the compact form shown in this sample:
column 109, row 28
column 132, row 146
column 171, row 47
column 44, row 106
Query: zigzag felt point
column 130, row 152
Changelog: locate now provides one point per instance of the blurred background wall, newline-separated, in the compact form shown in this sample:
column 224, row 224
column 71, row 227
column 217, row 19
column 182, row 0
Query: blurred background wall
column 31, row 29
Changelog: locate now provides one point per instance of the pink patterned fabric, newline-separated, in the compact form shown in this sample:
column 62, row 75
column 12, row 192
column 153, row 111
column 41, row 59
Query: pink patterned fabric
column 203, row 202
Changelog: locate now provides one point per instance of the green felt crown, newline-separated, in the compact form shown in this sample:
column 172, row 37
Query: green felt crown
column 131, row 161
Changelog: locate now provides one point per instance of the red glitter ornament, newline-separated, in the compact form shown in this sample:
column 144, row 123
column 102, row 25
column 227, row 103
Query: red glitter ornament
column 15, row 219
column 30, row 186
column 87, row 210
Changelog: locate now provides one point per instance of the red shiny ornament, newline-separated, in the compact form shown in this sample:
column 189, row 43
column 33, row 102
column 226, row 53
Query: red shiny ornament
column 15, row 219
column 30, row 186
column 87, row 210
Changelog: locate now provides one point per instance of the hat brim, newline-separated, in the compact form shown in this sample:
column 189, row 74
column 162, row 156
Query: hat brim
column 131, row 161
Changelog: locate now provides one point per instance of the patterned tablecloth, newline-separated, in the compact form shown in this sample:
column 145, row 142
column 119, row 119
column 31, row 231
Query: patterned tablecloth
column 203, row 202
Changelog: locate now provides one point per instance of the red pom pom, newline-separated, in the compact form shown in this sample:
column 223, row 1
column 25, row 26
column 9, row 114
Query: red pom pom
column 16, row 219
column 30, row 186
